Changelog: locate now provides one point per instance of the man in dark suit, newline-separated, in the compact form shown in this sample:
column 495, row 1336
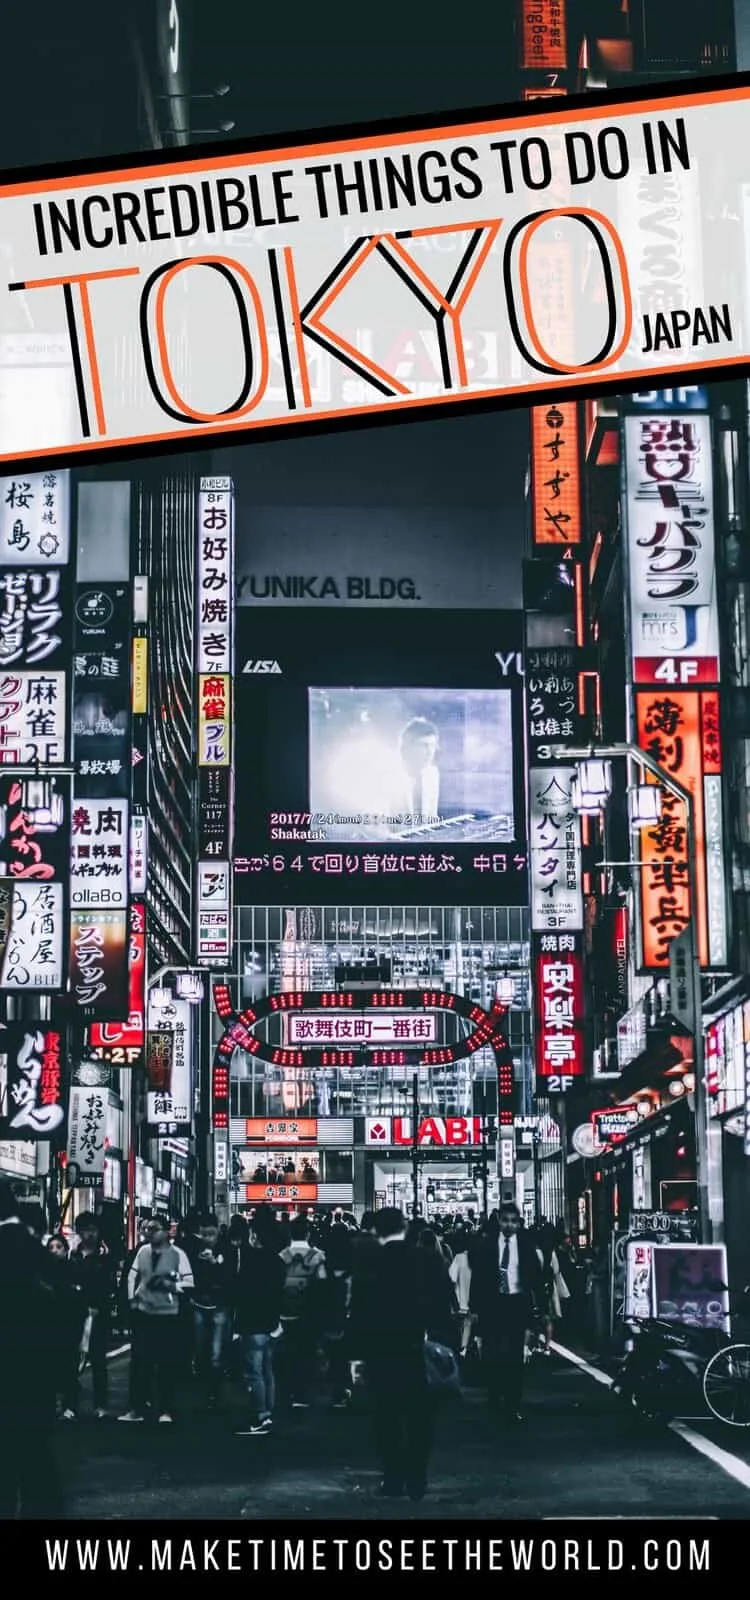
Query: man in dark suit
column 506, row 1289
column 389, row 1309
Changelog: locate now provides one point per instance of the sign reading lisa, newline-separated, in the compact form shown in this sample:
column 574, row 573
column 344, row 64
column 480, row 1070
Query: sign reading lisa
column 144, row 257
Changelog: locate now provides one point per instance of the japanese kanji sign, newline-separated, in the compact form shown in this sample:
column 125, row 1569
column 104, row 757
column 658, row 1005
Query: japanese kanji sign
column 560, row 1012
column 99, row 854
column 215, row 598
column 214, row 720
column 543, row 35
column 87, row 1129
column 33, row 956
column 674, row 622
column 35, row 1090
column 35, row 520
column 283, row 255
column 555, row 474
column 373, row 1029
column 554, row 851
column 681, row 731
column 32, row 717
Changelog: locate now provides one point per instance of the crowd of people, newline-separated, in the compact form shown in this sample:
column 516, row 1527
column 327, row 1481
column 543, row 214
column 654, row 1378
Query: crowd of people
column 296, row 1313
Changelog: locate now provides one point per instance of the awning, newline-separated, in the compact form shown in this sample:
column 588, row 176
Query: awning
column 674, row 1115
column 648, row 1070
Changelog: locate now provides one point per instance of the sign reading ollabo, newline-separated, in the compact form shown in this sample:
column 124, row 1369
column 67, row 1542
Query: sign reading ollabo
column 442, row 1132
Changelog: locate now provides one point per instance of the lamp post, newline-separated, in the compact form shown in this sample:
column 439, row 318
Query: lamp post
column 601, row 753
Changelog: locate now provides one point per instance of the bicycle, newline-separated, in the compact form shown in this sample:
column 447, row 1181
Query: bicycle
column 670, row 1360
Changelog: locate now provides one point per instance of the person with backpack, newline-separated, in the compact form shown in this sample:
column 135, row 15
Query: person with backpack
column 304, row 1275
column 159, row 1276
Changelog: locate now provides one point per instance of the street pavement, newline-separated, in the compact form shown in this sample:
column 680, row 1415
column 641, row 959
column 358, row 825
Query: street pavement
column 579, row 1453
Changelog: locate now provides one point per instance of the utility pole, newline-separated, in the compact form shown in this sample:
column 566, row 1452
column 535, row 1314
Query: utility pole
column 414, row 1145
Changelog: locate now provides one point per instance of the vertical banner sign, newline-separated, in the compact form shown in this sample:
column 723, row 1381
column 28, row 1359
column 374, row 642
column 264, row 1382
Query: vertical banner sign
column 555, row 873
column 99, row 829
column 674, row 648
column 214, row 633
column 674, row 621
column 555, row 475
column 122, row 1043
column 87, row 1123
column 35, row 1085
column 171, row 1109
column 680, row 730
column 543, row 35
column 36, row 642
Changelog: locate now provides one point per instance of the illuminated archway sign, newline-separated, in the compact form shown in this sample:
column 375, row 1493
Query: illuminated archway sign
column 239, row 1034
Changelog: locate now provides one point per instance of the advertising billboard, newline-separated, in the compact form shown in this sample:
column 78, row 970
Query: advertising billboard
column 543, row 38
column 680, row 730
column 556, row 475
column 214, row 664
column 559, row 1032
column 386, row 755
column 674, row 621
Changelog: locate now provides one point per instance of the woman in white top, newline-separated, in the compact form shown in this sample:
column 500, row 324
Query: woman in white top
column 460, row 1275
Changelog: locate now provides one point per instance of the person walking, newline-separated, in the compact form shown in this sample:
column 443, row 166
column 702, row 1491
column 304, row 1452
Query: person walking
column 159, row 1276
column 388, row 1326
column 258, row 1292
column 70, row 1315
column 304, row 1273
column 92, row 1272
column 507, row 1289
column 213, row 1273
column 30, row 1480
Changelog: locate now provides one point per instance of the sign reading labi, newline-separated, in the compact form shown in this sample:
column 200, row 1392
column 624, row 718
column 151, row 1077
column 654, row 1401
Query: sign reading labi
column 311, row 323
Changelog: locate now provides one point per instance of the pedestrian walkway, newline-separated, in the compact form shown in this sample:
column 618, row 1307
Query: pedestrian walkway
column 580, row 1453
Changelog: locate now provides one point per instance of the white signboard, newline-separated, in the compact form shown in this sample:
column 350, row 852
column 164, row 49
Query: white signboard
column 402, row 1027
column 33, row 958
column 214, row 917
column 32, row 717
column 176, row 1106
column 35, row 519
column 674, row 622
column 99, row 853
column 554, row 852
column 213, row 884
column 215, row 566
column 18, row 1157
column 214, row 936
column 87, row 1129
column 138, row 854
column 340, row 264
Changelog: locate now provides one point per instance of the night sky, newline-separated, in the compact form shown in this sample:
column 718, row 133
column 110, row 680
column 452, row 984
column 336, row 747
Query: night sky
column 68, row 93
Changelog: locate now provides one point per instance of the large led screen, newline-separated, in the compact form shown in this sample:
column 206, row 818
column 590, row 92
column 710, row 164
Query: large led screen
column 379, row 754
column 411, row 764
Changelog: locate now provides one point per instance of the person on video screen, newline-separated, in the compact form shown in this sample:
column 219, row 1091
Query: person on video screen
column 419, row 778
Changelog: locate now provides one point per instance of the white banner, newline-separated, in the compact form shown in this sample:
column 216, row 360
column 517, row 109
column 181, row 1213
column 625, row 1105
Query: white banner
column 32, row 718
column 33, row 958
column 554, row 852
column 272, row 286
column 405, row 1027
column 35, row 520
column 176, row 1107
column 674, row 622
column 99, row 852
column 87, row 1129
column 215, row 566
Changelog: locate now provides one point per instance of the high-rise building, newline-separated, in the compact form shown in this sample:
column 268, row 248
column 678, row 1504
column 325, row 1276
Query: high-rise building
column 661, row 628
